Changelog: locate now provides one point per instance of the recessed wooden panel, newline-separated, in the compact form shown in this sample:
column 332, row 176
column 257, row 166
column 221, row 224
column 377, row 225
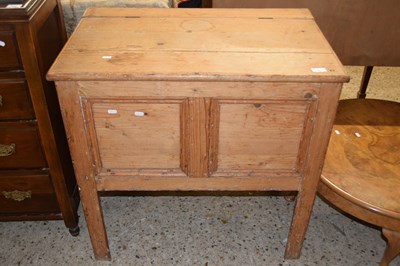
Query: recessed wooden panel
column 137, row 134
column 260, row 136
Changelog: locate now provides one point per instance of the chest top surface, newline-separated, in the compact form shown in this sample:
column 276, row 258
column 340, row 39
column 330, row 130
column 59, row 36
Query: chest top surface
column 198, row 44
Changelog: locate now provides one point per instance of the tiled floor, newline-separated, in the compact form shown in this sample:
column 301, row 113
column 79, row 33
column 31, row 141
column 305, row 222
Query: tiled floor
column 206, row 230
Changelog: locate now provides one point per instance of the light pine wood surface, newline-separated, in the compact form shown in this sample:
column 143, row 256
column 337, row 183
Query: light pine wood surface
column 169, row 44
column 198, row 100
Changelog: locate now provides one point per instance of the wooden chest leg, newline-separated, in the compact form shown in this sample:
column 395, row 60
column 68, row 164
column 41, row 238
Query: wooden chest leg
column 95, row 222
column 298, row 228
column 329, row 98
column 70, row 101
column 393, row 247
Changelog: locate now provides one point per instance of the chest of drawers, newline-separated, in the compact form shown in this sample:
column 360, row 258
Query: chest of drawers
column 197, row 100
column 36, row 174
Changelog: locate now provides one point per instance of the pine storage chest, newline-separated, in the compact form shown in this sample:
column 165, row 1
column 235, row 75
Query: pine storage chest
column 198, row 100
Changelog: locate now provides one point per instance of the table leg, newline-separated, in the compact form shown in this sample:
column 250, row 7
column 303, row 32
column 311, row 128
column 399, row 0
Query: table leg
column 364, row 82
column 393, row 247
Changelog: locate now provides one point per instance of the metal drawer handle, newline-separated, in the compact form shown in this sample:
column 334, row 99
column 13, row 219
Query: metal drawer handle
column 1, row 101
column 2, row 44
column 7, row 150
column 17, row 195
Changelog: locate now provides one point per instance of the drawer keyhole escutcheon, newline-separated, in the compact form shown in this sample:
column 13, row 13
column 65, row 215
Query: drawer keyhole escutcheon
column 17, row 195
column 7, row 150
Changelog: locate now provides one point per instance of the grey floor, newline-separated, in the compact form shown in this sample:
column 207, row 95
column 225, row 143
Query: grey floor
column 206, row 230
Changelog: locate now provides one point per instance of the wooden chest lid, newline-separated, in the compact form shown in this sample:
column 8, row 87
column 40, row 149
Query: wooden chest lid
column 198, row 44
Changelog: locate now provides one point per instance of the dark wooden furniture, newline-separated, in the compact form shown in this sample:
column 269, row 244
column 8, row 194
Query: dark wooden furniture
column 36, row 174
column 154, row 107
column 189, row 4
column 206, row 3
column 361, row 175
column 363, row 33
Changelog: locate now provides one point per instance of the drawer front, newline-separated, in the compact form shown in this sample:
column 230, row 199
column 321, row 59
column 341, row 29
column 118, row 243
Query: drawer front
column 9, row 51
column 26, row 192
column 20, row 146
column 15, row 101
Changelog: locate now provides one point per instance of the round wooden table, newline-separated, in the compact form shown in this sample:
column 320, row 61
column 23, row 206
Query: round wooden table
column 361, row 175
